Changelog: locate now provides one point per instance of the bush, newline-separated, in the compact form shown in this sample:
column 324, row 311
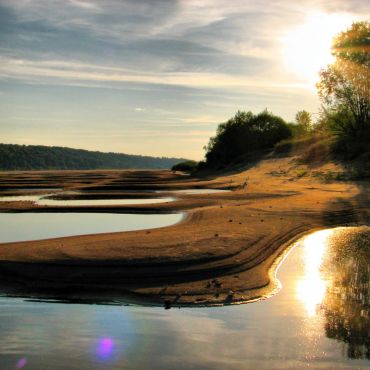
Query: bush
column 348, row 147
column 186, row 166
column 245, row 133
column 317, row 152
column 299, row 144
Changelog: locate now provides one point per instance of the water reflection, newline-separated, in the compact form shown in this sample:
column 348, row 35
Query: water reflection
column 346, row 304
column 312, row 286
column 34, row 226
column 294, row 329
column 45, row 200
column 336, row 283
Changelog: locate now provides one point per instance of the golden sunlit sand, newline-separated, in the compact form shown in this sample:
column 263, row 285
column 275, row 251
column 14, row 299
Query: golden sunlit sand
column 221, row 253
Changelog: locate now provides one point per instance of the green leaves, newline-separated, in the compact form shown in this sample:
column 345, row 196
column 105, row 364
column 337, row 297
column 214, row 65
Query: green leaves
column 344, row 86
column 244, row 133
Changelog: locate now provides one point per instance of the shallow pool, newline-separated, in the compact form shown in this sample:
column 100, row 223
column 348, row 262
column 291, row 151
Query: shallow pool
column 43, row 200
column 320, row 319
column 20, row 198
column 34, row 226
column 35, row 188
column 98, row 202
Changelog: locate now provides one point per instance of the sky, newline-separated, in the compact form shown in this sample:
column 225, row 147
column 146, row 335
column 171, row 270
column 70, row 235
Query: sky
column 156, row 77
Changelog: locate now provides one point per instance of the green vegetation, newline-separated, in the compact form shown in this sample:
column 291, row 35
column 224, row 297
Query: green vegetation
column 32, row 157
column 344, row 88
column 186, row 166
column 344, row 85
column 243, row 134
column 342, row 131
column 302, row 125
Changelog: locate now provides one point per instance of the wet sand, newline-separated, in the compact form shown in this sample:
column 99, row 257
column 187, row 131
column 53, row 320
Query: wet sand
column 221, row 253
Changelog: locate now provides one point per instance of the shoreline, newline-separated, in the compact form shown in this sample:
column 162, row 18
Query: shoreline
column 220, row 253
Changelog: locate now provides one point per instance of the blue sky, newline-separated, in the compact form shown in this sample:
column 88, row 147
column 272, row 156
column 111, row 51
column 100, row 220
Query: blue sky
column 150, row 77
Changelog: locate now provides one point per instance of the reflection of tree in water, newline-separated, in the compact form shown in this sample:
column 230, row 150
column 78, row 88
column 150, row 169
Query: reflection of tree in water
column 347, row 301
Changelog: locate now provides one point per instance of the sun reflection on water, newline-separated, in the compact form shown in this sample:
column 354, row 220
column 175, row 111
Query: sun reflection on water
column 312, row 286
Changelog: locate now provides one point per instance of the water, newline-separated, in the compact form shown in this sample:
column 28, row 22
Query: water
column 320, row 319
column 35, row 188
column 34, row 226
column 43, row 201
column 98, row 202
column 20, row 198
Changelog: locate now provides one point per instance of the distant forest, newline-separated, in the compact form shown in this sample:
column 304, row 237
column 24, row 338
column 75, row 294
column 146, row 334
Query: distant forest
column 37, row 157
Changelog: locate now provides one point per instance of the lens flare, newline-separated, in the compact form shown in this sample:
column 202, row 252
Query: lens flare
column 21, row 363
column 105, row 348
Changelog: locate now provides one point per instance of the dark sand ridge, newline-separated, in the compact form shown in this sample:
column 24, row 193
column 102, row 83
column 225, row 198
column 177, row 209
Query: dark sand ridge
column 221, row 253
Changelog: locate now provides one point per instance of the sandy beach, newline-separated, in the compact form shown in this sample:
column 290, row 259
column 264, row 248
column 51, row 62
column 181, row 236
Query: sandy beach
column 220, row 253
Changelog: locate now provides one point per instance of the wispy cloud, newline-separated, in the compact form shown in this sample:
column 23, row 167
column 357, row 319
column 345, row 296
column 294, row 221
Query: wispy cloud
column 84, row 4
column 74, row 71
column 155, row 68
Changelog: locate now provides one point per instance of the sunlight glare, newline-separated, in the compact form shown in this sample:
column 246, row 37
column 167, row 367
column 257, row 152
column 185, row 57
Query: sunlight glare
column 312, row 287
column 307, row 48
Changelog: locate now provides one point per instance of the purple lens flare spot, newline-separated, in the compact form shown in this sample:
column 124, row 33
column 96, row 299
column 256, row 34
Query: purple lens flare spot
column 105, row 347
column 21, row 363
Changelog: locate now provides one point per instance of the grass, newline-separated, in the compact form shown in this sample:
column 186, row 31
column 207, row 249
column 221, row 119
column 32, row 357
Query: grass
column 315, row 149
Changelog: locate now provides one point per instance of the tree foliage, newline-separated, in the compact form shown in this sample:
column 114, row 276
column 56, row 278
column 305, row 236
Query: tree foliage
column 344, row 85
column 186, row 166
column 245, row 132
column 302, row 125
column 304, row 120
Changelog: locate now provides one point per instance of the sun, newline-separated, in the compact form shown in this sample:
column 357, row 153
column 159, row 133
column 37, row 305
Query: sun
column 307, row 48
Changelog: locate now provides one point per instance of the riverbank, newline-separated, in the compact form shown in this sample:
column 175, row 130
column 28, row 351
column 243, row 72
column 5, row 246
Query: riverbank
column 221, row 252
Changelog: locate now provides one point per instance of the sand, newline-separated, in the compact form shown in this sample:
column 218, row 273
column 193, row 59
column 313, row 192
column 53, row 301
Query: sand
column 221, row 252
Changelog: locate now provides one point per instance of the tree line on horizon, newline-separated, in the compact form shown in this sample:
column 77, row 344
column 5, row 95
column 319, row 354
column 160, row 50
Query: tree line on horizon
column 38, row 157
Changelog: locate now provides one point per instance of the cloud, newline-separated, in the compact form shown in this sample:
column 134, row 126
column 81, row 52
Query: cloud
column 167, row 66
column 89, row 5
column 48, row 70
column 188, row 37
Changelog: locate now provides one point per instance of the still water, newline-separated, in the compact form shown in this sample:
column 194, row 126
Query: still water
column 34, row 226
column 319, row 319
column 44, row 201
column 34, row 188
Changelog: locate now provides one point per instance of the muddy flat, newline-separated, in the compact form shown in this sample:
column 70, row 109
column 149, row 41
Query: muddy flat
column 221, row 252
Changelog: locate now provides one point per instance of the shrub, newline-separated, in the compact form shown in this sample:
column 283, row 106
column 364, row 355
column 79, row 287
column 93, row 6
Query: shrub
column 245, row 133
column 186, row 166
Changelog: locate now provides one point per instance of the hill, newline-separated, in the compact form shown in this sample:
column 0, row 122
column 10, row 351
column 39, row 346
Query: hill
column 38, row 157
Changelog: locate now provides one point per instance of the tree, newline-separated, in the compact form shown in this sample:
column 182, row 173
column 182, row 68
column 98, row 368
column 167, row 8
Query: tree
column 304, row 121
column 344, row 85
column 245, row 132
column 186, row 166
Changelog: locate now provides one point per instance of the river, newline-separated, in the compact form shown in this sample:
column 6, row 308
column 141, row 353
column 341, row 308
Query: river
column 319, row 319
